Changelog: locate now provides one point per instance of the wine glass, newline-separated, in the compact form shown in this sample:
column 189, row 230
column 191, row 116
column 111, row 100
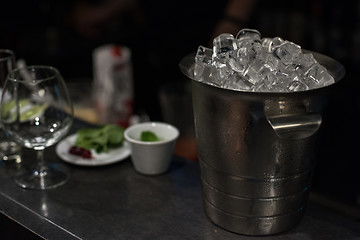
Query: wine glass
column 9, row 150
column 36, row 111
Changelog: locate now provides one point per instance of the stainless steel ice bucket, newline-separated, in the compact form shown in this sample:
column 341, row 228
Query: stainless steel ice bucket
column 256, row 152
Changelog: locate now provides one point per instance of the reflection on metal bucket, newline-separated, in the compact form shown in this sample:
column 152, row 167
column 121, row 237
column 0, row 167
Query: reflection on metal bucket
column 256, row 152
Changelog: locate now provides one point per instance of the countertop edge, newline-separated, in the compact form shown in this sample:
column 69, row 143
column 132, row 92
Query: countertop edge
column 35, row 223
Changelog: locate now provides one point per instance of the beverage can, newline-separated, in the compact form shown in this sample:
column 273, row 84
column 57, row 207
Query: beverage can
column 113, row 84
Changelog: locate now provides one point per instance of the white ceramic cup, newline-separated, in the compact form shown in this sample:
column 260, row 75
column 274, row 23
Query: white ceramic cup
column 152, row 158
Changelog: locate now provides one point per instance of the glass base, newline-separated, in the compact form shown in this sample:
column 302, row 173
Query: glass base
column 49, row 178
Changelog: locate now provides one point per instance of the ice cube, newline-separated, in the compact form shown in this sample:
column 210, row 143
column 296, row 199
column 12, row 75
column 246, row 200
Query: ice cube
column 203, row 59
column 297, row 86
column 284, row 78
column 198, row 70
column 260, row 53
column 204, row 72
column 250, row 50
column 268, row 77
column 314, row 73
column 236, row 65
column 303, row 62
column 237, row 82
column 327, row 79
column 269, row 44
column 223, row 44
column 224, row 71
column 267, row 82
column 262, row 87
column 276, row 42
column 273, row 63
column 239, row 59
column 265, row 43
column 247, row 33
column 253, row 70
column 317, row 76
column 204, row 54
column 287, row 52
column 307, row 59
column 210, row 75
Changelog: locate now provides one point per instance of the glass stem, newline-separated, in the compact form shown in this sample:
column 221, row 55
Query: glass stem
column 41, row 167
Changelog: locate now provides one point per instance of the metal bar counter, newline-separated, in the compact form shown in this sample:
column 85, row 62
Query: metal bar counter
column 115, row 202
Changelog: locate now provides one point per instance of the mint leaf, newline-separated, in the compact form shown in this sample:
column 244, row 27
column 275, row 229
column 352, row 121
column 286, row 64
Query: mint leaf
column 148, row 136
column 101, row 139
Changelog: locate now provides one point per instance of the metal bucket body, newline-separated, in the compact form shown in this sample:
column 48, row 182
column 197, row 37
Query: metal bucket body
column 251, row 168
column 256, row 153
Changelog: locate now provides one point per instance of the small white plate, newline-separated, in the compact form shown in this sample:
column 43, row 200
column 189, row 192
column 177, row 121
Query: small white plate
column 114, row 155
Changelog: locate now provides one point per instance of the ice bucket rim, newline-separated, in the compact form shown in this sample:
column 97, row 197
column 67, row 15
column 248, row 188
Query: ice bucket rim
column 335, row 68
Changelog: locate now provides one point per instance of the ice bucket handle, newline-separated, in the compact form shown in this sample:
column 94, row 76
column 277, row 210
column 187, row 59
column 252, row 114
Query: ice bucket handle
column 295, row 126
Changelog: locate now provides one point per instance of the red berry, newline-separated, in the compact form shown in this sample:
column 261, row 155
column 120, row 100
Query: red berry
column 75, row 150
column 86, row 154
column 79, row 151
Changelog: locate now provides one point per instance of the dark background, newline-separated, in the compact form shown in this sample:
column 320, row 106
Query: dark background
column 160, row 33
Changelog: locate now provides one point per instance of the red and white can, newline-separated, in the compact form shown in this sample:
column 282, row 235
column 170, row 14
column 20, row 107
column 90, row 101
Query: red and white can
column 113, row 84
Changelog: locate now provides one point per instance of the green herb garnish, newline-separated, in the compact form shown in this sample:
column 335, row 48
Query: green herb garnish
column 100, row 139
column 26, row 108
column 148, row 136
